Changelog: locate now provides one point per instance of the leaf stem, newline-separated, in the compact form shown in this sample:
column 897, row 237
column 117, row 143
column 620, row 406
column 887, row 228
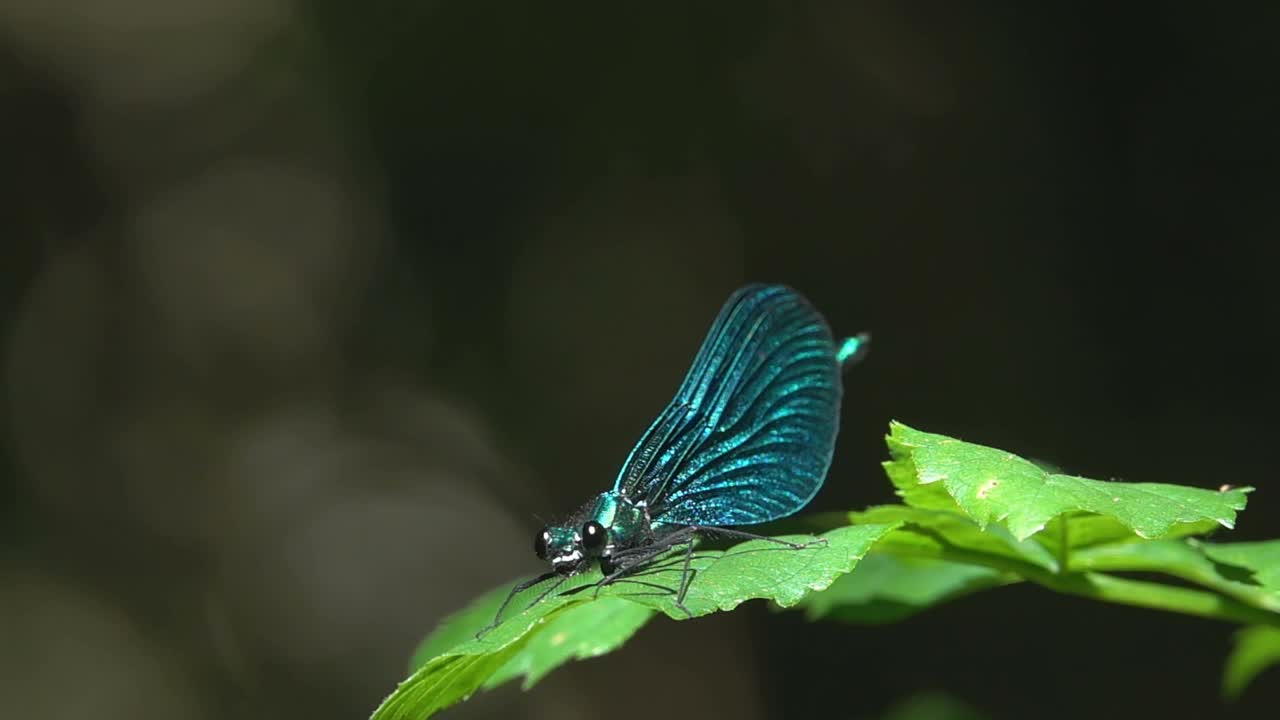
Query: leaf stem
column 1064, row 546
column 1158, row 596
column 1100, row 586
column 1115, row 560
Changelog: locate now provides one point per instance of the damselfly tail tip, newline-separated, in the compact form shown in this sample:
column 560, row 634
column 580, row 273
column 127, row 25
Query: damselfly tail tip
column 853, row 349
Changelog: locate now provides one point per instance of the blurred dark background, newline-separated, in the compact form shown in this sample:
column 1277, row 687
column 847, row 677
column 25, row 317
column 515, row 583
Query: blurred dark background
column 308, row 308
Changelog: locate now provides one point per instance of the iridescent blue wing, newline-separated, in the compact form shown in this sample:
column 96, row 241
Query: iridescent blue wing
column 748, row 437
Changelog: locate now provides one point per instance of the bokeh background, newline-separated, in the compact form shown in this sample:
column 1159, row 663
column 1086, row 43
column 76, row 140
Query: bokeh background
column 309, row 309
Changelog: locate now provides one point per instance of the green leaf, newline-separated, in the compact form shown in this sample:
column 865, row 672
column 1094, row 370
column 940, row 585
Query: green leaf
column 442, row 682
column 934, row 530
column 1190, row 561
column 583, row 631
column 884, row 588
column 453, row 664
column 1256, row 649
column 994, row 486
column 452, row 675
column 459, row 628
column 1087, row 530
column 760, row 569
column 905, row 476
column 1261, row 559
column 974, row 518
column 933, row 706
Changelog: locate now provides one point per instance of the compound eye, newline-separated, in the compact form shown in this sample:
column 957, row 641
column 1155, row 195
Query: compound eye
column 540, row 543
column 593, row 536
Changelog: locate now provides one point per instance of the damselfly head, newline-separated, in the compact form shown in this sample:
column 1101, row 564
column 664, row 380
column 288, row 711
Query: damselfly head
column 562, row 547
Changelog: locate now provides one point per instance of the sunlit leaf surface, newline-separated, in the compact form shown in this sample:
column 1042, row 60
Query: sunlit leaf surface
column 452, row 664
column 994, row 486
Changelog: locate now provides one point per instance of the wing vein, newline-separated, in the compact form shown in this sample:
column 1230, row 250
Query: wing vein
column 749, row 434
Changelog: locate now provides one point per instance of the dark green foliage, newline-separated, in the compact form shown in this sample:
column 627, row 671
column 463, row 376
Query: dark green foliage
column 974, row 518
